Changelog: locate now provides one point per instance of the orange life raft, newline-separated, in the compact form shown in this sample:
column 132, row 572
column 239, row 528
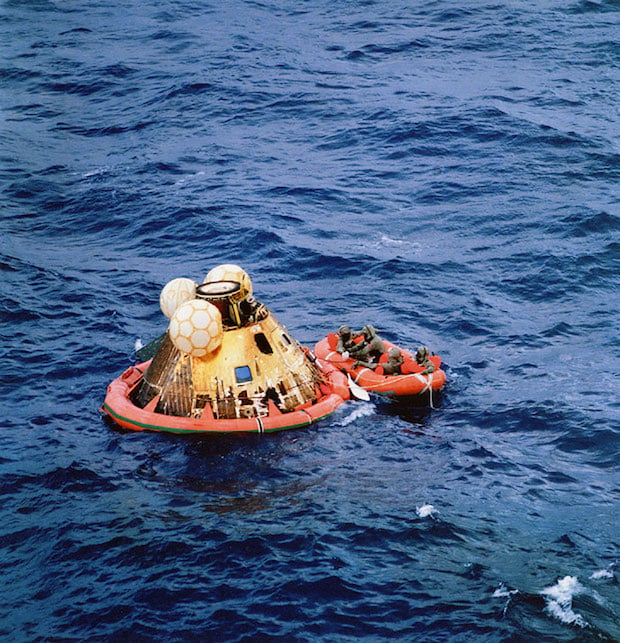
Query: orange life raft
column 411, row 383
column 120, row 407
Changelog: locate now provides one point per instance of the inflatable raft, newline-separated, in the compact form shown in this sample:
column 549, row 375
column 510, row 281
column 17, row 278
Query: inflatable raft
column 225, row 365
column 410, row 383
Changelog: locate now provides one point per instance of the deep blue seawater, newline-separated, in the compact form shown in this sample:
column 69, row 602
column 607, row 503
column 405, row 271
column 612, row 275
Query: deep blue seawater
column 447, row 171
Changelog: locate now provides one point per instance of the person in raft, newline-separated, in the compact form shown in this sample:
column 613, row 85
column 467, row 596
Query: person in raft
column 370, row 348
column 393, row 365
column 345, row 340
column 422, row 357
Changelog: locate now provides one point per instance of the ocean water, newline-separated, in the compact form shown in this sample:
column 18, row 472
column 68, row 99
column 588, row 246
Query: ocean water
column 445, row 171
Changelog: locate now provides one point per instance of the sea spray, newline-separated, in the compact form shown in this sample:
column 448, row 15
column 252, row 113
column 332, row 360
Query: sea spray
column 360, row 411
column 426, row 511
column 559, row 598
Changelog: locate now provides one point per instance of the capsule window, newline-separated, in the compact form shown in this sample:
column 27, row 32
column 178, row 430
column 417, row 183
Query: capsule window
column 243, row 374
column 263, row 343
column 286, row 339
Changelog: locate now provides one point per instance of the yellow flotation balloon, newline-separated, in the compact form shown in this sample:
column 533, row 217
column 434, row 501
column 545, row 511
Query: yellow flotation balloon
column 175, row 293
column 231, row 272
column 196, row 328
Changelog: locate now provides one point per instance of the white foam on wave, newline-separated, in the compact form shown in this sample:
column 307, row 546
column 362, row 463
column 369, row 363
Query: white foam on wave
column 559, row 598
column 184, row 180
column 96, row 172
column 385, row 243
column 138, row 344
column 503, row 592
column 361, row 410
column 388, row 241
column 602, row 573
column 425, row 511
